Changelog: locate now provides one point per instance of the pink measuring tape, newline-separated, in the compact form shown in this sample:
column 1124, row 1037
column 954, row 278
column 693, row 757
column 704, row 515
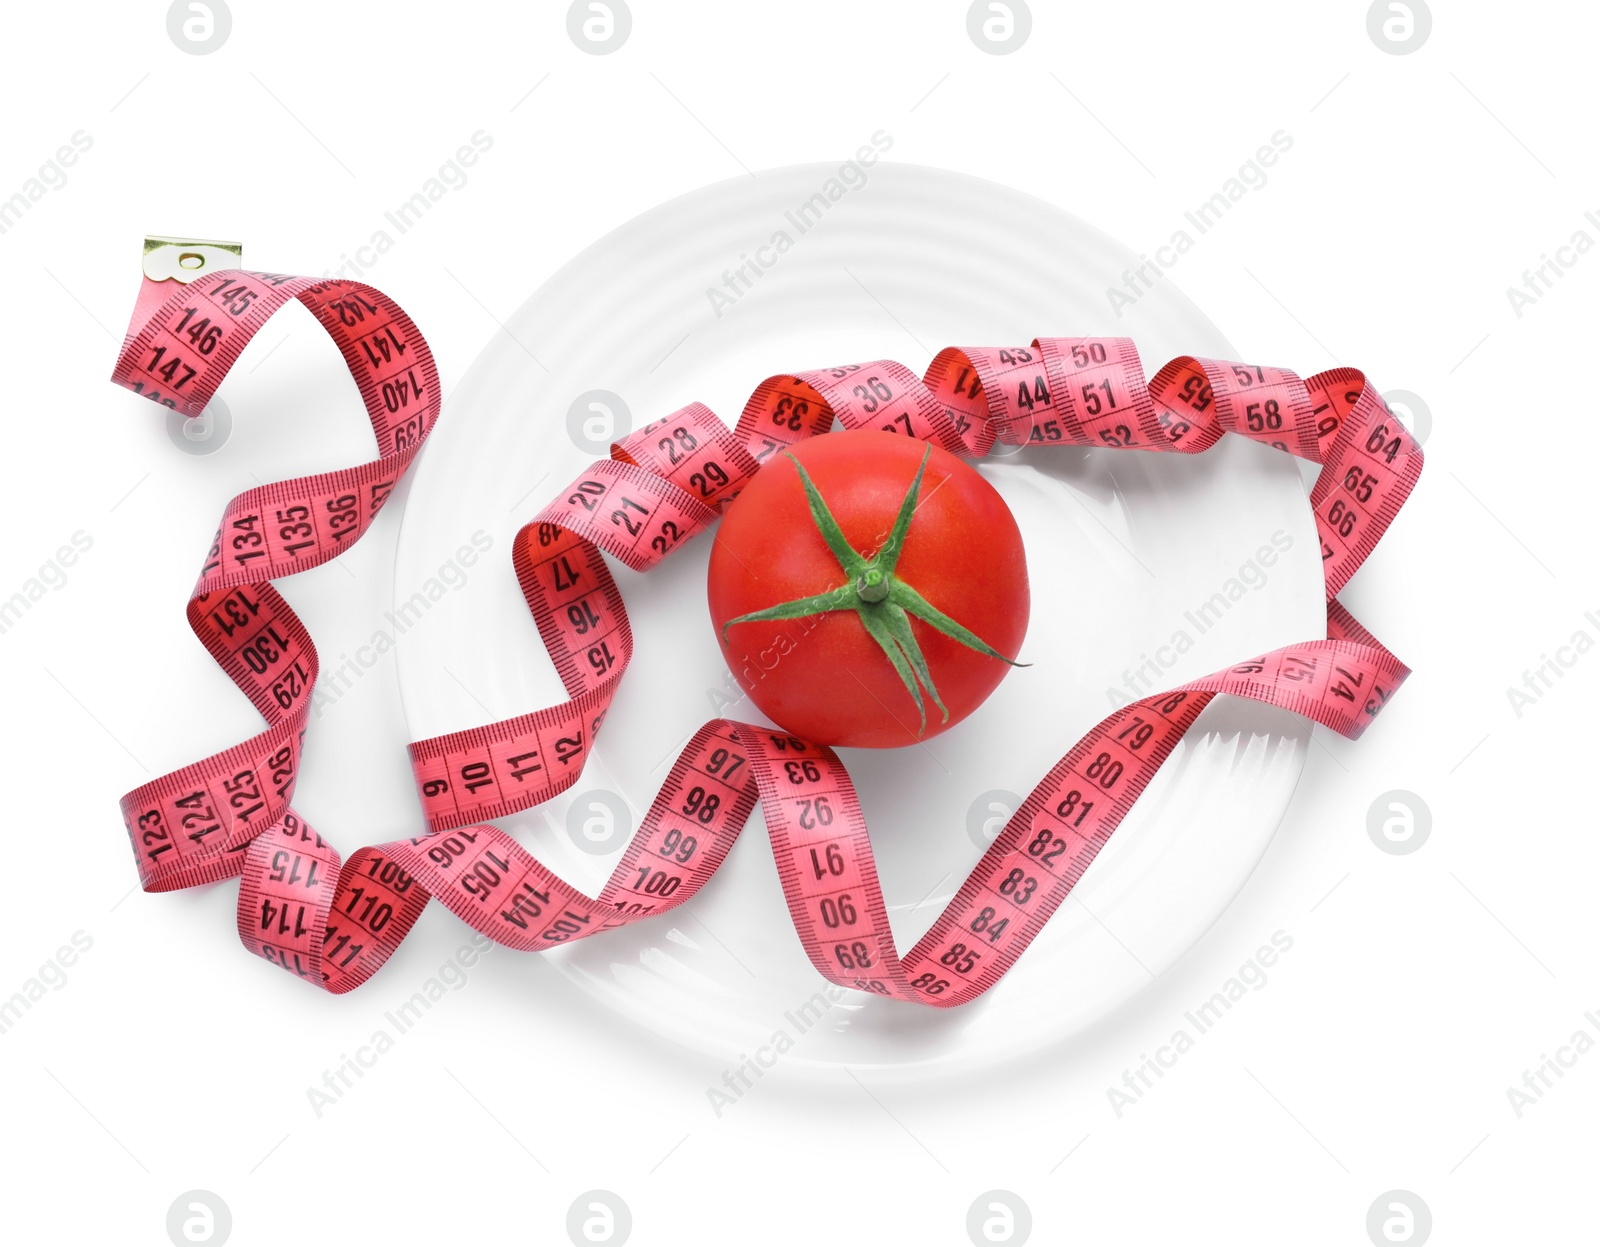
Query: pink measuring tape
column 334, row 922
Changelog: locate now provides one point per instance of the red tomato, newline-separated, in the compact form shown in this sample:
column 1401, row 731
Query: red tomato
column 827, row 672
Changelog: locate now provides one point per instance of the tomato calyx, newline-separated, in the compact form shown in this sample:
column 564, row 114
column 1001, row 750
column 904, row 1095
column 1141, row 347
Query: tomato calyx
column 883, row 601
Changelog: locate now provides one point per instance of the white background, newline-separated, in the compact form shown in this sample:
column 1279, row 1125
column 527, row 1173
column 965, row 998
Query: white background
column 1419, row 988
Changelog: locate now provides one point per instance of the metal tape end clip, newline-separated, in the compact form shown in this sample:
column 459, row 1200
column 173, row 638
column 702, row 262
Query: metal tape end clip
column 184, row 259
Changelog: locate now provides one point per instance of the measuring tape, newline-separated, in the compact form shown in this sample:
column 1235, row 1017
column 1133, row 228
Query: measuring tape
column 334, row 922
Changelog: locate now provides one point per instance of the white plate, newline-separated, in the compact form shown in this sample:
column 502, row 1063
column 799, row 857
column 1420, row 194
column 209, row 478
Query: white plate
column 1123, row 548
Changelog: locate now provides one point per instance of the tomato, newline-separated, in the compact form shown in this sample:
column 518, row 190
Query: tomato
column 897, row 628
